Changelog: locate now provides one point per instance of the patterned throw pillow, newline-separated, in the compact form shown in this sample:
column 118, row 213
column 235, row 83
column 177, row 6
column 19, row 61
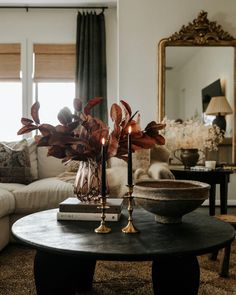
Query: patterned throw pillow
column 15, row 162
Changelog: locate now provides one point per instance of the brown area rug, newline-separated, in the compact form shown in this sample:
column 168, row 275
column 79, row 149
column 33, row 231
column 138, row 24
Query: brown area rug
column 111, row 278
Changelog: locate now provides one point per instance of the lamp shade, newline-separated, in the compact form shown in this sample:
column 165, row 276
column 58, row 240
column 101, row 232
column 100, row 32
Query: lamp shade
column 219, row 105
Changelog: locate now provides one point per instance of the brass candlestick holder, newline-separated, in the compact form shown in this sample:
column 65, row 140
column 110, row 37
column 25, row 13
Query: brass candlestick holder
column 103, row 229
column 130, row 228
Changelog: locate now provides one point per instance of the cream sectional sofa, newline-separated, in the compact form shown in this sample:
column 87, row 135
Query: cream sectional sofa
column 47, row 190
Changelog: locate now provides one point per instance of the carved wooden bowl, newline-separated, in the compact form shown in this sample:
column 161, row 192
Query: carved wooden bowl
column 168, row 199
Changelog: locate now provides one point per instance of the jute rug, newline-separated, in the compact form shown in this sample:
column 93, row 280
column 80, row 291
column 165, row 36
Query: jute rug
column 111, row 278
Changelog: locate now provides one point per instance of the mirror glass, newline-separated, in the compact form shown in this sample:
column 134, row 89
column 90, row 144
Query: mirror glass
column 191, row 60
column 188, row 70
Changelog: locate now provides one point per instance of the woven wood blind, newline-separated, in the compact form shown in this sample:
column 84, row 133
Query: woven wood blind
column 54, row 62
column 10, row 63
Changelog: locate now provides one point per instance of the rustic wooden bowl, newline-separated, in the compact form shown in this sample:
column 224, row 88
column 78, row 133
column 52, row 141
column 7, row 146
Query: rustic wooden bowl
column 169, row 199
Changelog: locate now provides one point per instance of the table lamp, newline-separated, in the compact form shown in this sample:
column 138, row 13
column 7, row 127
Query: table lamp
column 219, row 107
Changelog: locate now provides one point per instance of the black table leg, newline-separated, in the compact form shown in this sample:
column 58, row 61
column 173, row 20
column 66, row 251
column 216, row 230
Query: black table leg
column 224, row 195
column 176, row 275
column 62, row 275
column 212, row 199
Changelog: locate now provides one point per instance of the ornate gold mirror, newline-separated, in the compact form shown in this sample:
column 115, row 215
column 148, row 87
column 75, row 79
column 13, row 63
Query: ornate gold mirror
column 189, row 61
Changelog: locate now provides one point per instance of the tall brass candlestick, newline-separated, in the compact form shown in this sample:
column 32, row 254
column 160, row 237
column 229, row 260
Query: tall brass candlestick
column 103, row 229
column 130, row 228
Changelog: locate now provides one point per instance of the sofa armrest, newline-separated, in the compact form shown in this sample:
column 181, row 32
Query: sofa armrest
column 159, row 170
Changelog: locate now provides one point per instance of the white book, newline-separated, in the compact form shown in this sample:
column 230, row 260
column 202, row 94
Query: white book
column 87, row 216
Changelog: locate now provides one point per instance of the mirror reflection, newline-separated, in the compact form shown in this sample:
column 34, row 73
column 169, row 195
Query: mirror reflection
column 191, row 74
column 191, row 62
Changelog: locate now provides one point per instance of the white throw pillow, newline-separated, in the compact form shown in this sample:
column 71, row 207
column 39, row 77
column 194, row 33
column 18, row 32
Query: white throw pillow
column 48, row 166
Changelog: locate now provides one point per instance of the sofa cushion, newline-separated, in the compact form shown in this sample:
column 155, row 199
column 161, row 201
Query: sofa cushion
column 33, row 158
column 15, row 162
column 42, row 194
column 48, row 166
column 7, row 202
column 11, row 186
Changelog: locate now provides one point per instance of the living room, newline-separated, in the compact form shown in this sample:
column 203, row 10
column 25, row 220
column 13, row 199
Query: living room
column 133, row 30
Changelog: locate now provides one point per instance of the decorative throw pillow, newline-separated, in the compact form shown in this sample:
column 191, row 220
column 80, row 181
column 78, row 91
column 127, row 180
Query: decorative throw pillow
column 15, row 162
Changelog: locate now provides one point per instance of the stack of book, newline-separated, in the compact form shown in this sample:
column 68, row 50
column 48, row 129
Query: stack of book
column 74, row 209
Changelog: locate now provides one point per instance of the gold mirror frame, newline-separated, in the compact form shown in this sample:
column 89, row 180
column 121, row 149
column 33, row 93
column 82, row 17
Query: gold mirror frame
column 200, row 32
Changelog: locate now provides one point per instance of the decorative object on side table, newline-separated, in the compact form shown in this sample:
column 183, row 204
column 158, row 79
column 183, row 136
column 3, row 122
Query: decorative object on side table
column 169, row 200
column 189, row 157
column 189, row 138
column 219, row 107
column 78, row 137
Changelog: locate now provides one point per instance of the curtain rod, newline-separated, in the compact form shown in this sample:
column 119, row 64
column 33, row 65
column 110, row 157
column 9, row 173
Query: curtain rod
column 53, row 7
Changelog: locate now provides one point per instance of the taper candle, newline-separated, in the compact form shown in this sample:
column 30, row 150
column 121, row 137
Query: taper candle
column 130, row 173
column 103, row 180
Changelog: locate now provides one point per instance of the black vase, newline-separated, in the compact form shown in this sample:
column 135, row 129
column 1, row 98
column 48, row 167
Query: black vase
column 189, row 157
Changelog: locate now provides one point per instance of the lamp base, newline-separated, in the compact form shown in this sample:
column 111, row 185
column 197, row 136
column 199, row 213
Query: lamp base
column 220, row 122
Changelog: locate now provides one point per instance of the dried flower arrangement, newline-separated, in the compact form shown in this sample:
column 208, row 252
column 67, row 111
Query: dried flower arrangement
column 191, row 134
column 79, row 135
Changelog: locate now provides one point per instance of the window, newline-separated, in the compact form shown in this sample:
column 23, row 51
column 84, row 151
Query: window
column 11, row 110
column 54, row 76
column 10, row 91
column 53, row 96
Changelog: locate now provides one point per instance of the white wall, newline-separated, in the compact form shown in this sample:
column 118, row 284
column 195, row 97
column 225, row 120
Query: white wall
column 142, row 23
column 53, row 26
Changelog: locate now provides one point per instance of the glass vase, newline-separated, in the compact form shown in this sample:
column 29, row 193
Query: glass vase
column 88, row 181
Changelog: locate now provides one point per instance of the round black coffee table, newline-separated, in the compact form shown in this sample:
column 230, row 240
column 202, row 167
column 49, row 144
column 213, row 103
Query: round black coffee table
column 67, row 250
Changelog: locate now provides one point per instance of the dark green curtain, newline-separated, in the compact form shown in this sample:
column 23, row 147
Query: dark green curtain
column 91, row 76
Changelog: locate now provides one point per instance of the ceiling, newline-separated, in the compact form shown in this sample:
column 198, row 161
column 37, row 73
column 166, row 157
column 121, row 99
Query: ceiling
column 58, row 2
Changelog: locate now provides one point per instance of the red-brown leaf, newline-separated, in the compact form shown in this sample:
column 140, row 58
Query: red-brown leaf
column 60, row 139
column 77, row 104
column 91, row 103
column 35, row 112
column 116, row 130
column 127, row 107
column 153, row 129
column 26, row 121
column 42, row 141
column 116, row 113
column 65, row 116
column 27, row 129
column 154, row 125
column 144, row 142
column 113, row 145
column 46, row 129
column 135, row 128
column 160, row 139
column 96, row 137
column 62, row 129
column 57, row 152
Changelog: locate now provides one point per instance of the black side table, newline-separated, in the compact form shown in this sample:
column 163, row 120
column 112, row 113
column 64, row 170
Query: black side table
column 212, row 177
